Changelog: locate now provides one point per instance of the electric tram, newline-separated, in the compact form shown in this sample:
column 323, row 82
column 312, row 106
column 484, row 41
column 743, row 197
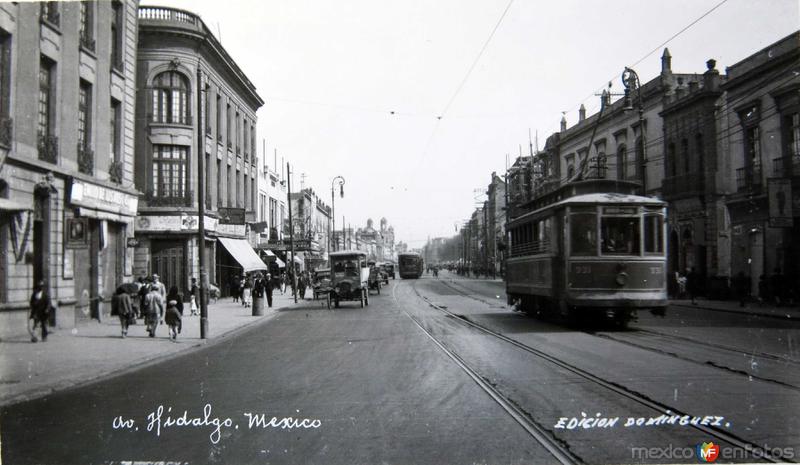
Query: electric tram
column 590, row 248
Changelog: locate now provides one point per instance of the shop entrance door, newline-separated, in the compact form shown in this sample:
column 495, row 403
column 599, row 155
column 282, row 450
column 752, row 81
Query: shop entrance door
column 168, row 263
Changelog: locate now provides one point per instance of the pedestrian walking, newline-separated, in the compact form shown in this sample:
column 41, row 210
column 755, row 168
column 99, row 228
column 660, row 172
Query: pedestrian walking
column 268, row 290
column 776, row 286
column 174, row 312
column 40, row 311
column 121, row 304
column 741, row 286
column 144, row 289
column 763, row 289
column 692, row 285
column 160, row 287
column 194, row 297
column 234, row 285
column 247, row 292
column 283, row 283
column 154, row 310
column 301, row 286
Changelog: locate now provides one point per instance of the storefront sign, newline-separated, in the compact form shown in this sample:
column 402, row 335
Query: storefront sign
column 184, row 223
column 90, row 195
column 231, row 216
column 237, row 230
column 77, row 231
column 780, row 203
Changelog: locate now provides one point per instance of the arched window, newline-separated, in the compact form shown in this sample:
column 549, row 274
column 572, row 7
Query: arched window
column 672, row 160
column 622, row 162
column 171, row 98
column 685, row 155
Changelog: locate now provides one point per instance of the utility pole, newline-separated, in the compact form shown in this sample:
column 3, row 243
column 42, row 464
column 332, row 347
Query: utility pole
column 291, row 230
column 201, row 207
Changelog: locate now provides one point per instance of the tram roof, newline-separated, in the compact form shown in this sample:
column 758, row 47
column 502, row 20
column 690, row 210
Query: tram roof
column 603, row 198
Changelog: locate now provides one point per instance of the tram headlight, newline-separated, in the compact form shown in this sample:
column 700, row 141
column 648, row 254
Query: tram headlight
column 622, row 278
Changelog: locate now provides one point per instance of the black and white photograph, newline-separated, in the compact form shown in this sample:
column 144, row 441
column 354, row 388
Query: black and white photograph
column 441, row 232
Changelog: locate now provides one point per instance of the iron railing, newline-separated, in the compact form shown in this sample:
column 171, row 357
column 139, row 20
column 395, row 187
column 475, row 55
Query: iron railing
column 48, row 148
column 786, row 166
column 85, row 160
column 748, row 178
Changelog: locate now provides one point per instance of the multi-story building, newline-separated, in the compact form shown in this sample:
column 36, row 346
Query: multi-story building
column 761, row 162
column 271, row 210
column 495, row 212
column 698, row 236
column 311, row 218
column 377, row 243
column 67, row 200
column 611, row 144
column 179, row 57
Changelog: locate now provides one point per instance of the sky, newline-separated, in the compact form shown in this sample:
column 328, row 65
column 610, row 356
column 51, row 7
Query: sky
column 415, row 103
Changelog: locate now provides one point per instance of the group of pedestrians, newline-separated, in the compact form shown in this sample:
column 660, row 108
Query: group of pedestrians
column 252, row 285
column 156, row 306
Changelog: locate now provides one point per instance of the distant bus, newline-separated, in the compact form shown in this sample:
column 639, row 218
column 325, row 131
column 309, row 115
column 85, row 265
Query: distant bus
column 410, row 265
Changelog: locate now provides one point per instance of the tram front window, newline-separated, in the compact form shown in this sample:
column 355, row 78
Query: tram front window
column 583, row 234
column 654, row 234
column 619, row 235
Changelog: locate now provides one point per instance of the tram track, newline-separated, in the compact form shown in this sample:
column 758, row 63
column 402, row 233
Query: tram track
column 707, row 363
column 556, row 447
column 642, row 399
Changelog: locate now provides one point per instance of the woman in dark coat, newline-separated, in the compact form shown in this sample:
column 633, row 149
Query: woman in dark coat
column 174, row 312
column 40, row 310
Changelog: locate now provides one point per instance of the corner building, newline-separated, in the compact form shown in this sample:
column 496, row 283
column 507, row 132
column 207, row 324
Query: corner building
column 67, row 199
column 173, row 45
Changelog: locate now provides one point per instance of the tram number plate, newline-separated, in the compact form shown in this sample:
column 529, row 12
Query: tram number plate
column 582, row 269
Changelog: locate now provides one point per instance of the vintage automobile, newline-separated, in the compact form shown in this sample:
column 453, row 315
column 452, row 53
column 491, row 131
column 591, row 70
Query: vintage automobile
column 388, row 267
column 349, row 278
column 382, row 266
column 321, row 282
column 375, row 278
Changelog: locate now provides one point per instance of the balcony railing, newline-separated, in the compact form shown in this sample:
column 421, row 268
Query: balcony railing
column 172, row 119
column 115, row 172
column 6, row 131
column 50, row 13
column 684, row 185
column 85, row 160
column 748, row 178
column 166, row 14
column 48, row 148
column 87, row 42
column 154, row 200
column 786, row 167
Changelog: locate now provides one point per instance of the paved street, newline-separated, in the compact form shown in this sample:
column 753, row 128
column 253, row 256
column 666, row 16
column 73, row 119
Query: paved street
column 369, row 385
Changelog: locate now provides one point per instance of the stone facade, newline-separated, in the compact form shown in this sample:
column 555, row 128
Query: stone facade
column 175, row 47
column 67, row 200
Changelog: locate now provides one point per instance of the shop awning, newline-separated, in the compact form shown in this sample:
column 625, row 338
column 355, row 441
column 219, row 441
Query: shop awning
column 241, row 251
column 12, row 206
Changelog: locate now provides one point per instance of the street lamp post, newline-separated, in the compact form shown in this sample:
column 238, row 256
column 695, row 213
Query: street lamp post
column 333, row 208
column 631, row 82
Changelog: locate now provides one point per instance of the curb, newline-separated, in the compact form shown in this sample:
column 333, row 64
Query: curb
column 775, row 316
column 137, row 364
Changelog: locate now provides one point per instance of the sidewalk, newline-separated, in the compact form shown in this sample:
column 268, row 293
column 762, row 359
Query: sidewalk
column 784, row 312
column 97, row 350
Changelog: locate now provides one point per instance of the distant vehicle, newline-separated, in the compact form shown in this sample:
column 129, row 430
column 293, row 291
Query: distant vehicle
column 375, row 278
column 322, row 282
column 349, row 278
column 585, row 251
column 384, row 273
column 411, row 265
column 389, row 269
